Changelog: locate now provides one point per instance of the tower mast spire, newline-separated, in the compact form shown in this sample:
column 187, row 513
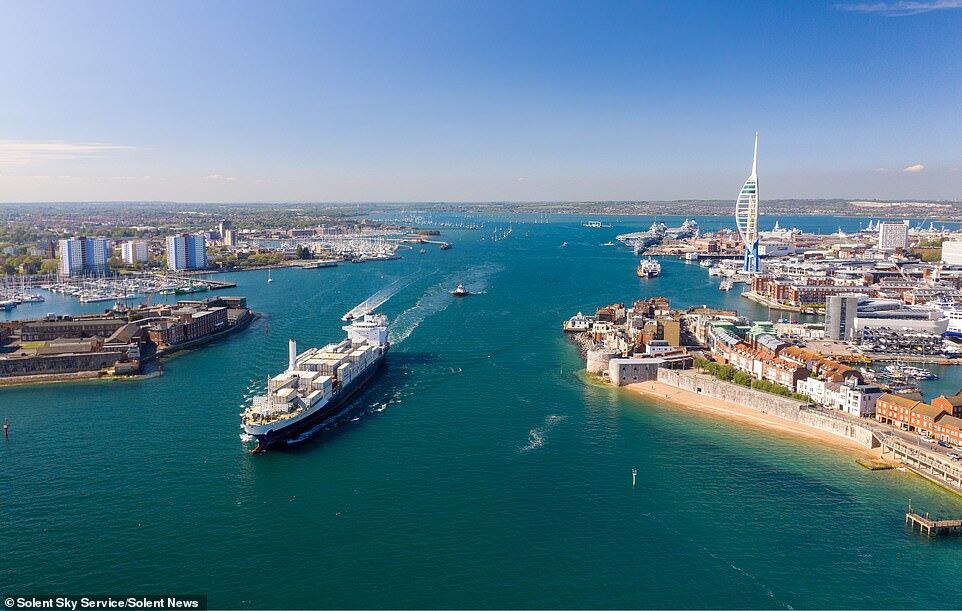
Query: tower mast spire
column 755, row 157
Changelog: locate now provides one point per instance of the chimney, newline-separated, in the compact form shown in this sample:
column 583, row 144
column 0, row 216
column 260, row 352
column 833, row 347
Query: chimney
column 291, row 354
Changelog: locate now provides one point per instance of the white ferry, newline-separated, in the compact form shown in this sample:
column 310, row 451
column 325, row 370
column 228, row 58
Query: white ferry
column 648, row 268
column 954, row 313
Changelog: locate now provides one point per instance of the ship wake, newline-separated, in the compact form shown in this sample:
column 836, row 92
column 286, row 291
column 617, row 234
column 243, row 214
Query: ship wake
column 438, row 297
column 379, row 298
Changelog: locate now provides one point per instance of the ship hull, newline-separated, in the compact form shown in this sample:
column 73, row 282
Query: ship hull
column 273, row 437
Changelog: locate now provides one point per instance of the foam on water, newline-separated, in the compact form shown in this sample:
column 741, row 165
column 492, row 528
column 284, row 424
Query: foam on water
column 536, row 436
column 381, row 297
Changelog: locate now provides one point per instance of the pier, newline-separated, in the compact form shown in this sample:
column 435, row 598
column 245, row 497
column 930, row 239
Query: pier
column 932, row 527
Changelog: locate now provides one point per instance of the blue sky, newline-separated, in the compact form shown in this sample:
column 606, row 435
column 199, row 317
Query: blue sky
column 416, row 101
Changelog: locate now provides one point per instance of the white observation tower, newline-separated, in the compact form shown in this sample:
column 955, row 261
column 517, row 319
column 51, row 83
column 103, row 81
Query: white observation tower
column 746, row 215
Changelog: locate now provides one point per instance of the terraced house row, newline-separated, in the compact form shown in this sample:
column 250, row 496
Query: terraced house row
column 941, row 419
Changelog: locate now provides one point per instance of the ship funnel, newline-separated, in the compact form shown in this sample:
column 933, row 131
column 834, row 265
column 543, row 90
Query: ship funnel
column 291, row 354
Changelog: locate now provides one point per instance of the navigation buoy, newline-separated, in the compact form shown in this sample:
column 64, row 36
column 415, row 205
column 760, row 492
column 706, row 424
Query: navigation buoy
column 634, row 474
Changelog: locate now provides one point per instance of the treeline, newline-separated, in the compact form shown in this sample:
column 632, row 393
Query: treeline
column 728, row 373
column 27, row 264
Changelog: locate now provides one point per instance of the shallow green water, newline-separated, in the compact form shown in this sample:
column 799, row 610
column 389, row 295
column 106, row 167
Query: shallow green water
column 492, row 476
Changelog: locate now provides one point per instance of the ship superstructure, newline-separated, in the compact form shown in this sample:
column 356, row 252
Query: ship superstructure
column 640, row 240
column 648, row 268
column 317, row 382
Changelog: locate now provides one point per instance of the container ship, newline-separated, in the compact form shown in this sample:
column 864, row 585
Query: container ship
column 318, row 383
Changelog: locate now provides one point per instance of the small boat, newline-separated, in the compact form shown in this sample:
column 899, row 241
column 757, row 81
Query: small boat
column 726, row 285
column 269, row 279
column 460, row 291
column 564, row 245
column 423, row 251
column 608, row 243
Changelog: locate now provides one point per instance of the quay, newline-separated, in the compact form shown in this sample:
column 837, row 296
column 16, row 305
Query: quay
column 932, row 527
column 911, row 358
column 930, row 465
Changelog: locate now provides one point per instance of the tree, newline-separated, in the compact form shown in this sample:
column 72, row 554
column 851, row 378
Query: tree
column 742, row 378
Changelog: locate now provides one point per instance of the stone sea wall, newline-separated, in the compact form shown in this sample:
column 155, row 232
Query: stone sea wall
column 701, row 383
column 829, row 421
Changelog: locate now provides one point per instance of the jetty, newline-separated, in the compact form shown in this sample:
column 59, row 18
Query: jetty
column 932, row 527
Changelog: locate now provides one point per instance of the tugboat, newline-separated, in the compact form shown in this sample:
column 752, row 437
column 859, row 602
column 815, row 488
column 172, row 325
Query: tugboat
column 460, row 291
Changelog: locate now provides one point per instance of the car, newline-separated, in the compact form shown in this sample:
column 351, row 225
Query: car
column 953, row 456
column 943, row 444
column 926, row 439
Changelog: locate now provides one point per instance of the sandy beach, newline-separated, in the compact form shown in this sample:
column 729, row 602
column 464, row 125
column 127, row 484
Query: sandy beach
column 737, row 413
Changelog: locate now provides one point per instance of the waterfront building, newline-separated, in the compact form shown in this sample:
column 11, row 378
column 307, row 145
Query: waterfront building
column 188, row 323
column 893, row 235
column 134, row 251
column 229, row 238
column 893, row 315
column 82, row 255
column 223, row 227
column 840, row 312
column 910, row 413
column 940, row 419
column 952, row 252
column 856, row 398
column 771, row 248
column 746, row 216
column 579, row 323
column 186, row 251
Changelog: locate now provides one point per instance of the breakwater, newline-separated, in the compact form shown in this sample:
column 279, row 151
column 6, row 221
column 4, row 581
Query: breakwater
column 782, row 407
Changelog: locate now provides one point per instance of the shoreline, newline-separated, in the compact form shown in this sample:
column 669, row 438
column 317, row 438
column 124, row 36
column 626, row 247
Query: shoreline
column 734, row 413
column 103, row 375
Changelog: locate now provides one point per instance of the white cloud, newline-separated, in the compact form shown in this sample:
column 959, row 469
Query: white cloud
column 27, row 152
column 220, row 177
column 900, row 8
column 914, row 169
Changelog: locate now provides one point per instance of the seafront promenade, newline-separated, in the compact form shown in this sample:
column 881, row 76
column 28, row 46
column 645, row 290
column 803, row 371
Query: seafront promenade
column 703, row 393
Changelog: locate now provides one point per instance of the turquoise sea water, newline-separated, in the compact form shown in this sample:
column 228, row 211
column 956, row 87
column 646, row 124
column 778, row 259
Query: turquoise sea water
column 482, row 471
